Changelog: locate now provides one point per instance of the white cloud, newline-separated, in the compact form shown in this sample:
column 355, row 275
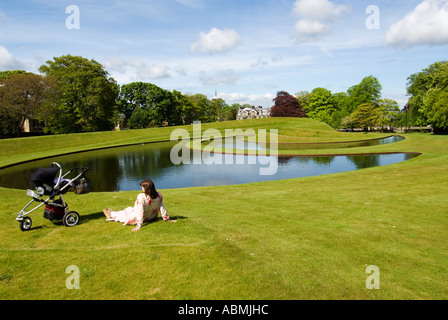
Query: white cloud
column 264, row 100
column 115, row 64
column 261, row 62
column 319, row 10
column 310, row 30
column 216, row 40
column 8, row 61
column 138, row 67
column 150, row 72
column 426, row 25
column 225, row 76
column 316, row 15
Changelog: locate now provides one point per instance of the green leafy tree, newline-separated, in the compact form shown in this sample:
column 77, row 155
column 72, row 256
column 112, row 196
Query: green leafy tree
column 389, row 111
column 229, row 112
column 436, row 108
column 133, row 96
column 342, row 102
column 367, row 91
column 186, row 110
column 88, row 100
column 320, row 105
column 160, row 106
column 428, row 90
column 302, row 98
column 219, row 106
column 140, row 119
column 202, row 106
column 10, row 122
column 26, row 96
column 366, row 115
column 7, row 74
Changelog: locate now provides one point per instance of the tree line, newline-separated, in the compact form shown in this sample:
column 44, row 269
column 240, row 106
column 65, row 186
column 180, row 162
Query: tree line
column 362, row 106
column 74, row 94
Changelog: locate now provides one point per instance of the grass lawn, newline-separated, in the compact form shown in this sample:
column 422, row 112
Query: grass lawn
column 306, row 238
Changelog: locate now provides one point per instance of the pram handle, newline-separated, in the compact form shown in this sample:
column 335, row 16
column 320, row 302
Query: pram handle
column 60, row 172
column 82, row 171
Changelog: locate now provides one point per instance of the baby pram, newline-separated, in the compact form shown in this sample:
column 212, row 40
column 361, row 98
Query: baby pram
column 50, row 182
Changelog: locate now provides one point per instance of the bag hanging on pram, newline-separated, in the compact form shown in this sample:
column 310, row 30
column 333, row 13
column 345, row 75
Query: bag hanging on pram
column 82, row 186
column 54, row 212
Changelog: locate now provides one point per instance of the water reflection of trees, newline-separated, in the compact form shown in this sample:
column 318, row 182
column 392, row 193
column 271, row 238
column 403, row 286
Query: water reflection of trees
column 334, row 145
column 130, row 163
column 103, row 173
column 10, row 178
column 146, row 163
column 321, row 160
column 364, row 161
column 106, row 167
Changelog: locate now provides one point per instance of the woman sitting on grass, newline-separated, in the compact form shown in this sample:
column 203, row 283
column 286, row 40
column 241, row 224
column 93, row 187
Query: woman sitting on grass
column 146, row 208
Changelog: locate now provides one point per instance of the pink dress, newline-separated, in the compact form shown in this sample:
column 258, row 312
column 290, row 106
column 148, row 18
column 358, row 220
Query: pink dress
column 145, row 209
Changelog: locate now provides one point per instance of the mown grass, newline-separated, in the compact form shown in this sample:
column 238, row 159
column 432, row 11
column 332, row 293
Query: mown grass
column 306, row 238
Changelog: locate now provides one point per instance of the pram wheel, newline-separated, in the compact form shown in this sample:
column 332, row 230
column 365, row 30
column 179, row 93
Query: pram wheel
column 71, row 219
column 25, row 224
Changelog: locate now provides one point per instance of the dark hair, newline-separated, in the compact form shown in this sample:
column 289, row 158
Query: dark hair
column 150, row 188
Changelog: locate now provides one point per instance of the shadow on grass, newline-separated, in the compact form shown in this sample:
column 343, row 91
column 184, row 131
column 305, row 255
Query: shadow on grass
column 100, row 215
column 93, row 216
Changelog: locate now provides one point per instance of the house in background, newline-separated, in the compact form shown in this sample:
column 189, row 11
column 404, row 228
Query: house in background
column 252, row 113
column 33, row 126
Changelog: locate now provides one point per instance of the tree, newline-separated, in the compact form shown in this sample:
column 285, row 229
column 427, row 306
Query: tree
column 7, row 74
column 89, row 94
column 140, row 119
column 202, row 108
column 367, row 91
column 160, row 106
column 342, row 102
column 10, row 121
column 185, row 108
column 320, row 105
column 389, row 111
column 132, row 96
column 366, row 115
column 346, row 122
column 286, row 105
column 436, row 108
column 26, row 96
column 302, row 97
column 229, row 112
column 223, row 110
column 428, row 90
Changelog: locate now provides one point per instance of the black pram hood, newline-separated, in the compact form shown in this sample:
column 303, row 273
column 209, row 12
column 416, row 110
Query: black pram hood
column 44, row 175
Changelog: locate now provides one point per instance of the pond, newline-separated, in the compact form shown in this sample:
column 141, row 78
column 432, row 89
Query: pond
column 338, row 145
column 122, row 168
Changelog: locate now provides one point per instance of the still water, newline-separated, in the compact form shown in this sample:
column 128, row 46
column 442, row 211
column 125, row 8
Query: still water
column 122, row 168
column 338, row 145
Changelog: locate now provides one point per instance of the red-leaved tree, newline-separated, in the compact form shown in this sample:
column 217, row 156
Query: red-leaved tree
column 286, row 105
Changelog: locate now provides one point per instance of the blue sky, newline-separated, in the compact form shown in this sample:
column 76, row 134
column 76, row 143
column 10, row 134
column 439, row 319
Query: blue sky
column 245, row 51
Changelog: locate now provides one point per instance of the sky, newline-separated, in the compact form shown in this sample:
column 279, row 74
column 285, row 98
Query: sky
column 243, row 51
